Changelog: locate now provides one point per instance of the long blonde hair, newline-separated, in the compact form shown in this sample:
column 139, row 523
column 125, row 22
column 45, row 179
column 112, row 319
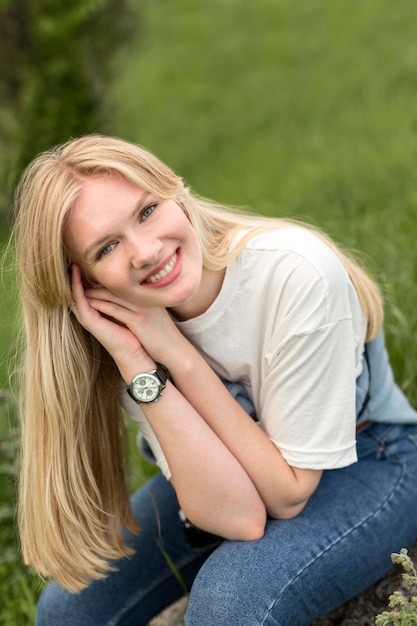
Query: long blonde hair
column 73, row 496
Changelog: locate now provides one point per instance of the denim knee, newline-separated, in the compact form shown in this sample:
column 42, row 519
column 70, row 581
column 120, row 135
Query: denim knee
column 51, row 609
column 228, row 591
column 213, row 602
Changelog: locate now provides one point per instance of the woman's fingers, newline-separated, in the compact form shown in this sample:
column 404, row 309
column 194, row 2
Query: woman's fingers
column 102, row 319
column 104, row 295
column 121, row 326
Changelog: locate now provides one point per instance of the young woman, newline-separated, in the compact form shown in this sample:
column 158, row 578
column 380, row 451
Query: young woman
column 250, row 353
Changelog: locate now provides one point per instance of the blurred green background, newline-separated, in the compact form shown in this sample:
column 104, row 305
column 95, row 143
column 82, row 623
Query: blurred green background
column 303, row 109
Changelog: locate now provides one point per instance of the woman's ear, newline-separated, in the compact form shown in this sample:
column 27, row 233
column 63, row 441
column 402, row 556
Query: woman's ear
column 90, row 284
column 87, row 283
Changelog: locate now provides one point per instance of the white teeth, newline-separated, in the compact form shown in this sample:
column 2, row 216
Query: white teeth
column 164, row 271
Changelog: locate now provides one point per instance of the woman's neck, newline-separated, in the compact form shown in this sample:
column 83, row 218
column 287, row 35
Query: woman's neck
column 208, row 290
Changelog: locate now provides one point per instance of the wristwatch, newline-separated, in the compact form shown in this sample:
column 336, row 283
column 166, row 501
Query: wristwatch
column 147, row 387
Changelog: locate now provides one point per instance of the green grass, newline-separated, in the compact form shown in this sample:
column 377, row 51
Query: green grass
column 302, row 109
column 18, row 590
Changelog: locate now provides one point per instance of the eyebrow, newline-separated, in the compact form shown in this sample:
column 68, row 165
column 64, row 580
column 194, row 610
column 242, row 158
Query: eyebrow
column 98, row 243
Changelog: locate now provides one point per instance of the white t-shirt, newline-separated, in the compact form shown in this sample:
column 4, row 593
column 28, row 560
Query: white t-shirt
column 287, row 324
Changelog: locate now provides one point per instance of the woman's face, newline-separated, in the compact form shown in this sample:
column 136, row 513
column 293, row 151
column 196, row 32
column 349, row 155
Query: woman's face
column 141, row 248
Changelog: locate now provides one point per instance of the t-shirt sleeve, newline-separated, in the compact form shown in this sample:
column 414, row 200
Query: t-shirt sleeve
column 307, row 402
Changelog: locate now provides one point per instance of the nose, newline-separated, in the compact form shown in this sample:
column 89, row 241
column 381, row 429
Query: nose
column 143, row 251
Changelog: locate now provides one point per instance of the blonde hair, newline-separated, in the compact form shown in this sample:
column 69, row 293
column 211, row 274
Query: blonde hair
column 73, row 496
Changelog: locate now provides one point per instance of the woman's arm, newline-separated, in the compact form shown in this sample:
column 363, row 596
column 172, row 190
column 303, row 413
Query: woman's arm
column 213, row 488
column 226, row 471
column 284, row 490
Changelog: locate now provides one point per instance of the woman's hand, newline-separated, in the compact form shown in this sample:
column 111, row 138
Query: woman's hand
column 111, row 324
column 135, row 337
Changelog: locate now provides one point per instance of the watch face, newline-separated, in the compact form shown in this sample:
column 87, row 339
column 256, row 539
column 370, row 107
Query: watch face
column 146, row 388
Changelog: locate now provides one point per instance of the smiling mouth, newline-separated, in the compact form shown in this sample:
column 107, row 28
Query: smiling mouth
column 164, row 271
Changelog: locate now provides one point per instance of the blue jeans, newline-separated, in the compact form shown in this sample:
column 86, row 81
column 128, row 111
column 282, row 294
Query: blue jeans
column 301, row 569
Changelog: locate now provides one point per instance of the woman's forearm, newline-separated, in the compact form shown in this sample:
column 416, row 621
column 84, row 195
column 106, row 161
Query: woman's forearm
column 284, row 490
column 221, row 461
column 213, row 489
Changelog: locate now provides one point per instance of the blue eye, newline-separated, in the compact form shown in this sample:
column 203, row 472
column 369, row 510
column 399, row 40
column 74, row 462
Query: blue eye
column 106, row 250
column 148, row 211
